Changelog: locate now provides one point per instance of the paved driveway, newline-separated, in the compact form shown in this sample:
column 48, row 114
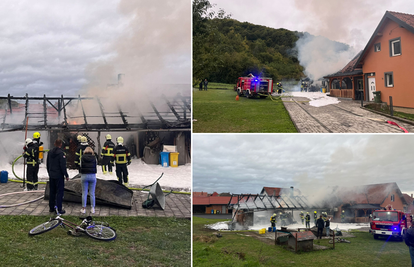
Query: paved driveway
column 344, row 117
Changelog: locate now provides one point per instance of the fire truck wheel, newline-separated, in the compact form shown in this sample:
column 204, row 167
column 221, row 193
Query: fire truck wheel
column 375, row 236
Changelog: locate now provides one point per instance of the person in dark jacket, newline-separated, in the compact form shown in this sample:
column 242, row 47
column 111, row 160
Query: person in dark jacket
column 56, row 168
column 200, row 86
column 320, row 223
column 32, row 160
column 88, row 178
column 107, row 154
column 327, row 225
column 205, row 84
column 409, row 240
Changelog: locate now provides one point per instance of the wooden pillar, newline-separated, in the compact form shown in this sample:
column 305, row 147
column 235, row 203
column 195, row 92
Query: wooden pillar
column 353, row 87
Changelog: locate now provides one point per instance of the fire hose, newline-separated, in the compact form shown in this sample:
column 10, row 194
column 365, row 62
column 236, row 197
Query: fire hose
column 23, row 203
column 22, row 180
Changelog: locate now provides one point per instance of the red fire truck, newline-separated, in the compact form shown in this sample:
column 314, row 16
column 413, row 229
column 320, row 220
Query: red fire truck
column 252, row 86
column 388, row 223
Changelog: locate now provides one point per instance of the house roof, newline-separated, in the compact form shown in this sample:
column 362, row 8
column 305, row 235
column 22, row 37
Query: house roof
column 374, row 194
column 349, row 69
column 201, row 200
column 200, row 194
column 403, row 20
column 210, row 200
column 408, row 199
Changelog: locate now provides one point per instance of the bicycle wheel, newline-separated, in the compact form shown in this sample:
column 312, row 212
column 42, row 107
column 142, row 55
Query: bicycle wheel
column 44, row 227
column 101, row 232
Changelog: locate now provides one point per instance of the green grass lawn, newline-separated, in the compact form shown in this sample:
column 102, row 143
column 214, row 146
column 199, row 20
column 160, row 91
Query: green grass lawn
column 238, row 249
column 217, row 111
column 387, row 111
column 141, row 241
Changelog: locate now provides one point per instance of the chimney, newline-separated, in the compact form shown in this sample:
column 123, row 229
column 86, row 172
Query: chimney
column 120, row 77
column 411, row 195
column 291, row 191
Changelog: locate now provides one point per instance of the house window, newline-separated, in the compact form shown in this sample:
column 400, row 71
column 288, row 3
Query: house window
column 389, row 79
column 395, row 47
column 392, row 198
column 377, row 47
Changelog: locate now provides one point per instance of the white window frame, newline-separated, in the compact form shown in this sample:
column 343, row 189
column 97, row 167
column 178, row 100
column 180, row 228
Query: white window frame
column 392, row 42
column 387, row 76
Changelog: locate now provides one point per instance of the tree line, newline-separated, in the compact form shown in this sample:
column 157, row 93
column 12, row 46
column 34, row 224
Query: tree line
column 225, row 49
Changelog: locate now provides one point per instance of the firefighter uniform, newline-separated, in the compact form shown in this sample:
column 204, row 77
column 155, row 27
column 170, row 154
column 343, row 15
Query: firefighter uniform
column 79, row 151
column 38, row 144
column 343, row 216
column 307, row 219
column 122, row 158
column 31, row 154
column 302, row 216
column 107, row 155
column 273, row 220
column 315, row 216
column 324, row 216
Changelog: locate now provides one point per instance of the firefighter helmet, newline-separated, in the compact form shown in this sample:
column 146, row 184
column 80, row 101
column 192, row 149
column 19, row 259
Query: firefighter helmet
column 315, row 211
column 120, row 140
column 307, row 212
column 280, row 213
column 108, row 137
column 36, row 135
column 28, row 141
column 343, row 211
column 79, row 138
column 84, row 139
column 301, row 211
column 274, row 214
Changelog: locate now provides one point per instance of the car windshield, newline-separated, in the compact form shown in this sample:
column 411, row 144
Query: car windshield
column 389, row 216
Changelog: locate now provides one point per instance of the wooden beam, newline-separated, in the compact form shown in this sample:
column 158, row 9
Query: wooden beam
column 44, row 110
column 83, row 111
column 171, row 107
column 102, row 112
column 65, row 122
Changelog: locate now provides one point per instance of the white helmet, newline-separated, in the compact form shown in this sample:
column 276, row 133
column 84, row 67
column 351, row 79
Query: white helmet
column 79, row 138
column 120, row 140
column 28, row 141
column 84, row 139
column 108, row 137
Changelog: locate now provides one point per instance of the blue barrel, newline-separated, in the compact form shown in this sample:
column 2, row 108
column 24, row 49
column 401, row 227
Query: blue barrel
column 164, row 159
column 212, row 211
column 274, row 229
column 270, row 229
column 4, row 176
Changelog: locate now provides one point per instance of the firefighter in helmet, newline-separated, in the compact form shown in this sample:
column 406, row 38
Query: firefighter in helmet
column 38, row 144
column 31, row 154
column 279, row 87
column 302, row 216
column 273, row 220
column 324, row 215
column 79, row 151
column 78, row 138
column 315, row 216
column 122, row 159
column 343, row 216
column 107, row 155
column 307, row 219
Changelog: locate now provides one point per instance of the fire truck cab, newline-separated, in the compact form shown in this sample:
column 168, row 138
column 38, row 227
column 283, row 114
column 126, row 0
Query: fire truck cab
column 252, row 86
column 388, row 223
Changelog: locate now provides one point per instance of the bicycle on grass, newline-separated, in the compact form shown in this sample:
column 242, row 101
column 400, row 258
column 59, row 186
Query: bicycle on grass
column 96, row 230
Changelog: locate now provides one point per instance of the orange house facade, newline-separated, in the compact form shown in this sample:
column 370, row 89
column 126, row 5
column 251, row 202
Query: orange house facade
column 385, row 64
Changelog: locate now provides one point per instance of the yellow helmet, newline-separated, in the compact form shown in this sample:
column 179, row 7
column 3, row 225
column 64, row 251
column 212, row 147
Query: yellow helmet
column 316, row 212
column 274, row 214
column 79, row 137
column 84, row 139
column 280, row 213
column 36, row 135
column 108, row 137
column 307, row 212
column 343, row 211
column 120, row 140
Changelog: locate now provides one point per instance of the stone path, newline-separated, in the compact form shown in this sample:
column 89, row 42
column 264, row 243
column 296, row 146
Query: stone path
column 176, row 205
column 344, row 117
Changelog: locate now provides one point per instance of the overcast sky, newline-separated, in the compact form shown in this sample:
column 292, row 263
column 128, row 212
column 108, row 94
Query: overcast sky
column 245, row 163
column 55, row 47
column 351, row 21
